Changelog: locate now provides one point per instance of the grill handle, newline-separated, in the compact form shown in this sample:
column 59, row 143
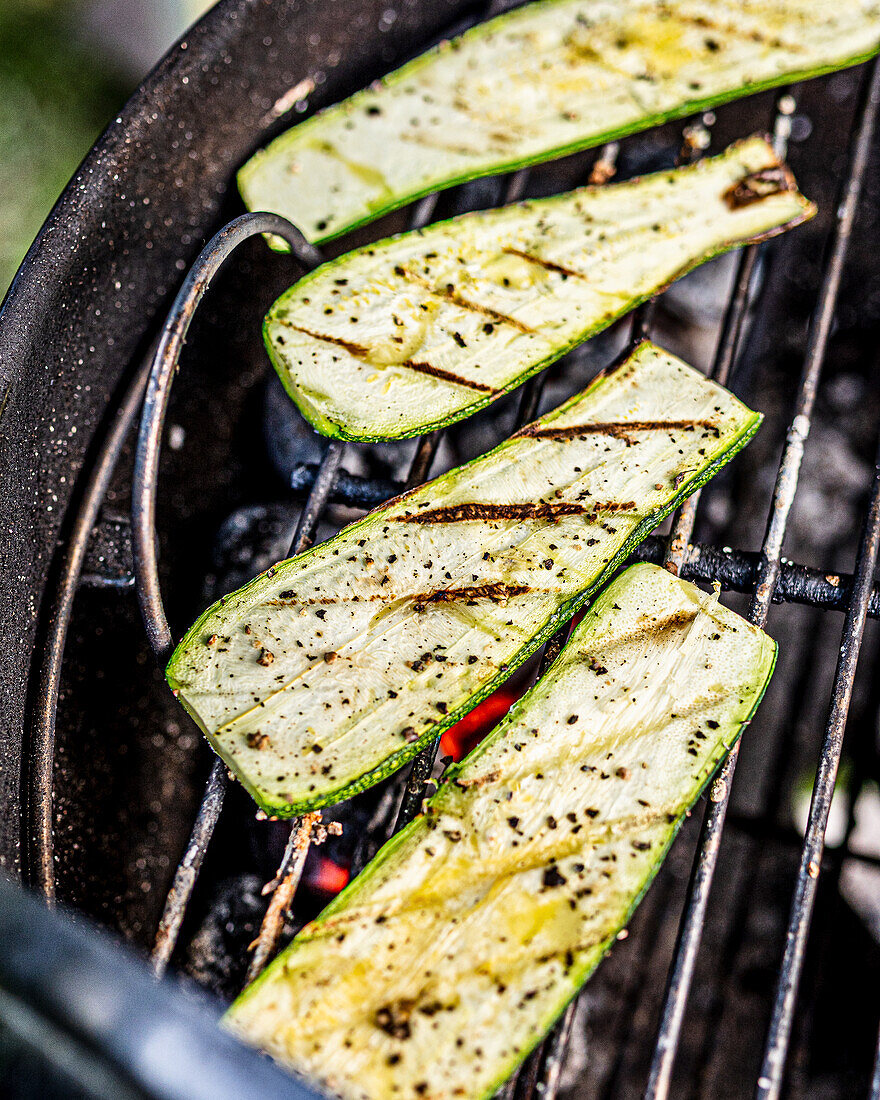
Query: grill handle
column 162, row 371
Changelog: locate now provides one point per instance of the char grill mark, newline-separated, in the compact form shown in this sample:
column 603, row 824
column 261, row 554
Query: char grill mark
column 496, row 591
column 652, row 629
column 459, row 513
column 617, row 429
column 359, row 351
column 446, row 376
column 758, row 186
column 548, row 265
column 449, row 294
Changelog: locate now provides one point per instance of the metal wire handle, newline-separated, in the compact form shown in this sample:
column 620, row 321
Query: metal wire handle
column 165, row 361
column 143, row 511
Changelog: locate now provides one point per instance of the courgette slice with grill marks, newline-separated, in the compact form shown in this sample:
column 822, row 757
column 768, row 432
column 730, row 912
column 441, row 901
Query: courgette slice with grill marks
column 541, row 82
column 331, row 670
column 424, row 329
column 445, row 962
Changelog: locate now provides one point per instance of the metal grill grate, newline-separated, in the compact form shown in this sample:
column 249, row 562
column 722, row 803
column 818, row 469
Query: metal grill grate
column 766, row 576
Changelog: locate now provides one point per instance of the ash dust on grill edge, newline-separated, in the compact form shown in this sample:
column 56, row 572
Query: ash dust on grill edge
column 530, row 562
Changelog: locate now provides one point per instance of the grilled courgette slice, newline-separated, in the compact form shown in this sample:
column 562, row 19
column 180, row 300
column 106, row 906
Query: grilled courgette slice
column 540, row 82
column 423, row 329
column 446, row 961
column 331, row 670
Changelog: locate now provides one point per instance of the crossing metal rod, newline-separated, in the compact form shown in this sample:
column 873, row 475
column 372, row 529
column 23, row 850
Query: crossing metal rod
column 187, row 872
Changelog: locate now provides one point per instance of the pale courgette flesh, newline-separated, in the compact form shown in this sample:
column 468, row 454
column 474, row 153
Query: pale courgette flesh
column 331, row 670
column 447, row 960
column 421, row 330
column 541, row 82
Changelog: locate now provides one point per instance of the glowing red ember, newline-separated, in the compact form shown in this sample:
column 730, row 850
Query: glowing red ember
column 465, row 735
column 325, row 876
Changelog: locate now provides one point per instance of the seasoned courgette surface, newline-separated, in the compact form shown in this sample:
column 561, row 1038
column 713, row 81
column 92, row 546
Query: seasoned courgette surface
column 423, row 329
column 331, row 670
column 444, row 963
column 540, row 82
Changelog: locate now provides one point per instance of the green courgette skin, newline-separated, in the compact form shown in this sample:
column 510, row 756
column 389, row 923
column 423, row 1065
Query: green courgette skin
column 549, row 79
column 501, row 899
column 421, row 330
column 331, row 670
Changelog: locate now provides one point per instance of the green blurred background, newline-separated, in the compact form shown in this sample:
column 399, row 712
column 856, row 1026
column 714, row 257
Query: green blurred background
column 66, row 66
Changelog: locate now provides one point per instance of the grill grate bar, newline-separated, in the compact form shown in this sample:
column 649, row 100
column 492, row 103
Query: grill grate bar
column 416, row 785
column 678, row 553
column 803, row 901
column 731, row 330
column 317, row 500
column 417, row 779
column 422, row 459
column 542, row 1070
column 736, row 571
column 693, row 919
column 423, row 764
column 675, row 557
column 728, row 343
column 352, row 490
column 817, row 343
column 555, row 1050
column 874, row 1093
column 187, row 872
